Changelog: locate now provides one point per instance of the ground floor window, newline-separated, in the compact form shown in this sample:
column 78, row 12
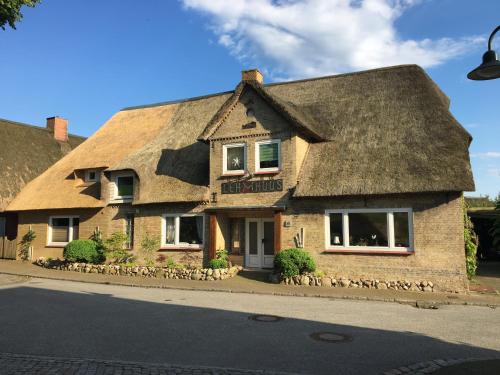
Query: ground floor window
column 182, row 230
column 369, row 229
column 63, row 229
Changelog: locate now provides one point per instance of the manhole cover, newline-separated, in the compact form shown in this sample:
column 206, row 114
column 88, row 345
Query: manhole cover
column 331, row 337
column 265, row 318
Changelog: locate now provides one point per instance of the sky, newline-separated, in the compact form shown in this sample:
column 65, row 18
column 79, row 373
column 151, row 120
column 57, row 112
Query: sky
column 87, row 59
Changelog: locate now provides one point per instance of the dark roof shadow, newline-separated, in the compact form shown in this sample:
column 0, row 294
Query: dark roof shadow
column 189, row 164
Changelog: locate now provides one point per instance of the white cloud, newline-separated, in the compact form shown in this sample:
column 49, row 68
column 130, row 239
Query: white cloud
column 301, row 38
column 487, row 155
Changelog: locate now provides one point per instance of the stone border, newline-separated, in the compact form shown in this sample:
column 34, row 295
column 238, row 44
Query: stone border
column 202, row 274
column 344, row 282
column 29, row 364
column 429, row 367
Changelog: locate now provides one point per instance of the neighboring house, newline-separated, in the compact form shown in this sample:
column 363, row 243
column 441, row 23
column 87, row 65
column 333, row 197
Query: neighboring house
column 25, row 152
column 364, row 170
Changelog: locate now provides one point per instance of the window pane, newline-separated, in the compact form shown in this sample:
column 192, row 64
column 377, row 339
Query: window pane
column 368, row 229
column 125, row 186
column 336, row 233
column 252, row 238
column 401, row 229
column 268, row 238
column 268, row 155
column 191, row 230
column 235, row 158
column 76, row 228
column 170, row 230
column 2, row 226
column 60, row 230
column 129, row 230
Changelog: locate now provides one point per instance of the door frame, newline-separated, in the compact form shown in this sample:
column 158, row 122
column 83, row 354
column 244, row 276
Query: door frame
column 260, row 247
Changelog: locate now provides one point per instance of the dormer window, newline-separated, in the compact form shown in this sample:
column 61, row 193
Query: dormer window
column 234, row 159
column 268, row 156
column 91, row 175
column 124, row 187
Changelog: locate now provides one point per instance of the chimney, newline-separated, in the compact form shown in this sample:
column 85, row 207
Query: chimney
column 59, row 127
column 252, row 75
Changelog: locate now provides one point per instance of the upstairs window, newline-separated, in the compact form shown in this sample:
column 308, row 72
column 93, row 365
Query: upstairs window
column 124, row 187
column 268, row 155
column 91, row 175
column 369, row 229
column 234, row 158
column 63, row 229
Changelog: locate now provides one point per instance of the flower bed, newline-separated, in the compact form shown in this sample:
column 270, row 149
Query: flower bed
column 206, row 274
column 343, row 282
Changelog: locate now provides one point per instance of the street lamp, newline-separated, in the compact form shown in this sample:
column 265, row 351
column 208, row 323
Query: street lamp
column 490, row 68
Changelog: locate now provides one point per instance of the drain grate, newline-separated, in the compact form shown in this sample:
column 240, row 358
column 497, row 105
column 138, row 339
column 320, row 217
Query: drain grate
column 330, row 337
column 265, row 318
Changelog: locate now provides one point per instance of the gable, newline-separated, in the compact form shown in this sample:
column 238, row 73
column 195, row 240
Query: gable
column 250, row 116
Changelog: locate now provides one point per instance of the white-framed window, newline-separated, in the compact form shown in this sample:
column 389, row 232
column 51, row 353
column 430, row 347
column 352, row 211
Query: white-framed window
column 369, row 229
column 63, row 229
column 91, row 175
column 182, row 230
column 123, row 187
column 234, row 158
column 268, row 155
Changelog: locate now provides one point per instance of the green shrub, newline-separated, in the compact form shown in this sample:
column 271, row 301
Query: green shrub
column 217, row 263
column 471, row 241
column 83, row 251
column 221, row 260
column 293, row 262
column 149, row 246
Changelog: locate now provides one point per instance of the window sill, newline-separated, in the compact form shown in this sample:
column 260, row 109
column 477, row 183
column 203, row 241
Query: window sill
column 369, row 252
column 233, row 174
column 181, row 248
column 268, row 172
column 121, row 200
column 57, row 245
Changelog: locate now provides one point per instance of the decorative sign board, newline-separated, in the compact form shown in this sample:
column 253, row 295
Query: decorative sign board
column 260, row 186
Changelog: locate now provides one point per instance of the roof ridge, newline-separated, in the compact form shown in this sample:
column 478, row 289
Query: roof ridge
column 199, row 97
column 37, row 127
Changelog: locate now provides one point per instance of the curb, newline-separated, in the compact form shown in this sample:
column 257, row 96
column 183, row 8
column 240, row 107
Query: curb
column 429, row 367
column 411, row 302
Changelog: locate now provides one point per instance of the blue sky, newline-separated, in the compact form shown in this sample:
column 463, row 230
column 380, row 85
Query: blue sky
column 85, row 60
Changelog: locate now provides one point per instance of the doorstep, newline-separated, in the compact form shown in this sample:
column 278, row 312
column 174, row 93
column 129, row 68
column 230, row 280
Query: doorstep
column 253, row 282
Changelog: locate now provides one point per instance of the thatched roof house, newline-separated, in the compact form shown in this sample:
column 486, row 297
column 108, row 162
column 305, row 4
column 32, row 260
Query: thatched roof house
column 25, row 152
column 388, row 131
column 368, row 162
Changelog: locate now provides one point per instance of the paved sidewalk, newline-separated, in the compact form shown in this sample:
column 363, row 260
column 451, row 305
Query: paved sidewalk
column 255, row 282
column 17, row 364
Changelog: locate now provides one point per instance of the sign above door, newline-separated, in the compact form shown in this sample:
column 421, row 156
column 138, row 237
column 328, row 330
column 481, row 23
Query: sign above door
column 260, row 186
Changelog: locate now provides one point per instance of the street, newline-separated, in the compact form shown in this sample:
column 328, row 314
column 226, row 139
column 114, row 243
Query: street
column 190, row 328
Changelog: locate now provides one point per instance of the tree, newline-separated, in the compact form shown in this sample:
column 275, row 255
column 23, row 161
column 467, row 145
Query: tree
column 10, row 11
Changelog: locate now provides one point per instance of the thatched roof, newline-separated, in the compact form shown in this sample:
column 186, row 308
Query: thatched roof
column 25, row 152
column 391, row 132
column 374, row 132
column 122, row 135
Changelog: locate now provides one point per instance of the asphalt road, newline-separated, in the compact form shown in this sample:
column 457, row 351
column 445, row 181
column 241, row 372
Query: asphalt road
column 79, row 320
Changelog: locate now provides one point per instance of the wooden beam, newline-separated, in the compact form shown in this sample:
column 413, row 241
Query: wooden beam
column 212, row 245
column 277, row 232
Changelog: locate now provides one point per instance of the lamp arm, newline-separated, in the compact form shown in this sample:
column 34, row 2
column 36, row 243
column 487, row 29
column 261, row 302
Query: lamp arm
column 490, row 40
